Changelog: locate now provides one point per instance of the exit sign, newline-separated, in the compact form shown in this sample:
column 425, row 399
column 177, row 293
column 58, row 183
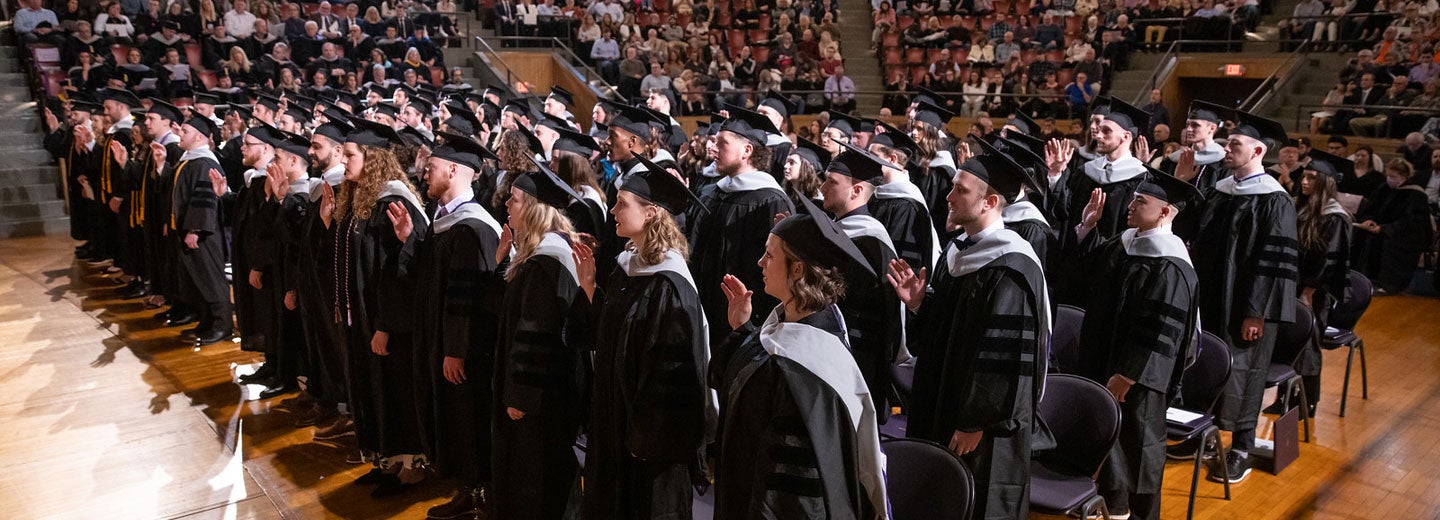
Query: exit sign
column 1234, row 69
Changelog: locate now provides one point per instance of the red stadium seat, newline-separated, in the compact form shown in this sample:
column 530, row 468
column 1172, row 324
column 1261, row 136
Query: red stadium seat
column 119, row 52
column 765, row 22
column 931, row 55
column 893, row 56
column 904, row 21
column 757, row 35
column 208, row 78
column 914, row 55
column 192, row 56
column 683, row 19
column 917, row 74
column 760, row 53
column 890, row 39
column 437, row 76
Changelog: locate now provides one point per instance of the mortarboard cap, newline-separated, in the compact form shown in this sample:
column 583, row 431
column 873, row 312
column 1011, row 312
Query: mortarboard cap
column 659, row 186
column 997, row 171
column 461, row 150
column 1023, row 122
column 335, row 130
column 267, row 101
column 894, row 138
column 372, row 134
column 933, row 115
column 576, row 143
column 410, row 134
column 629, row 118
column 810, row 151
column 1206, row 111
column 123, row 96
column 386, row 109
column 749, row 124
column 1334, row 166
column 1262, row 129
column 293, row 144
column 859, row 165
column 817, row 240
column 1021, row 158
column 562, row 96
column 546, row 187
column 165, row 110
column 845, row 123
column 203, row 124
column 1130, row 118
column 207, row 98
column 1166, row 187
column 778, row 102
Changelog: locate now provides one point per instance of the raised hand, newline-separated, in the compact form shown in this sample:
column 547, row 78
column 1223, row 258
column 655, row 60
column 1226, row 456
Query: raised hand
column 277, row 180
column 585, row 269
column 739, row 301
column 1185, row 167
column 779, row 217
column 1057, row 155
column 157, row 155
column 327, row 204
column 217, row 182
column 120, row 153
column 52, row 123
column 1090, row 216
column 909, row 286
column 400, row 220
column 1143, row 151
column 507, row 240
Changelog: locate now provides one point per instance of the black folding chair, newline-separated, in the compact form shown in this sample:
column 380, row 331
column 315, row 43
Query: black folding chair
column 1085, row 420
column 926, row 481
column 1200, row 388
column 1341, row 332
column 1282, row 376
column 1065, row 339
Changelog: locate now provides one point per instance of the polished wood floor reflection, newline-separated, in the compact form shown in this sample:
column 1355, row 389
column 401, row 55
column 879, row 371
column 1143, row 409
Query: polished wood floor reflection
column 106, row 413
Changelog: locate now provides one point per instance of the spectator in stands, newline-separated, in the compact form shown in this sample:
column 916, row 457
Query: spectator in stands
column 1368, row 175
column 1161, row 136
column 1328, row 29
column 1302, row 21
column 1080, row 93
column 261, row 40
column 656, row 80
column 1077, row 51
column 941, row 64
column 239, row 21
column 981, row 51
column 840, row 91
column 1061, row 8
column 999, row 28
column 115, row 25
column 1364, row 94
column 1048, row 35
column 147, row 22
column 70, row 14
column 1374, row 123
column 89, row 74
column 1363, row 62
column 1424, row 103
column 973, row 99
column 1006, row 48
column 1415, row 151
column 1394, row 224
column 32, row 14
column 1159, row 115
column 1154, row 31
column 884, row 19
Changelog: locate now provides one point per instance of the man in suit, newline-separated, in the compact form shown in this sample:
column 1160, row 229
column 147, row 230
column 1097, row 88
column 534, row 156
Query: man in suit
column 1366, row 94
column 1374, row 122
column 331, row 27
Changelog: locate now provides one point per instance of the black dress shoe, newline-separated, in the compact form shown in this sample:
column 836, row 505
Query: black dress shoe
column 263, row 373
column 464, row 505
column 135, row 291
column 373, row 477
column 276, row 391
column 164, row 315
column 213, row 337
column 1237, row 467
column 192, row 332
column 184, row 319
column 390, row 486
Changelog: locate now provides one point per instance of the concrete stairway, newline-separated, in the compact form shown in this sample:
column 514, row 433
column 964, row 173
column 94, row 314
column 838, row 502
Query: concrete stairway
column 1316, row 79
column 31, row 202
column 862, row 66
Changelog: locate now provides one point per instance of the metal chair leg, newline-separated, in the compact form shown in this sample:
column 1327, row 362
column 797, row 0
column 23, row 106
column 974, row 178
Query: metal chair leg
column 1220, row 456
column 1304, row 408
column 1195, row 476
column 1364, row 373
column 1345, row 389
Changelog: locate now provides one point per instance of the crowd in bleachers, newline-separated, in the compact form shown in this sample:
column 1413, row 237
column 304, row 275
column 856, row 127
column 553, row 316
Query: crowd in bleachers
column 175, row 48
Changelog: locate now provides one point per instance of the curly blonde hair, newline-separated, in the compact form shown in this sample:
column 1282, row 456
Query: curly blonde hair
column 380, row 168
column 539, row 218
column 661, row 234
column 514, row 153
column 817, row 287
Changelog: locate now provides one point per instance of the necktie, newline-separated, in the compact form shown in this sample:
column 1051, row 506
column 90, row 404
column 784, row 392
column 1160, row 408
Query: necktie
column 962, row 244
column 440, row 213
column 1109, row 171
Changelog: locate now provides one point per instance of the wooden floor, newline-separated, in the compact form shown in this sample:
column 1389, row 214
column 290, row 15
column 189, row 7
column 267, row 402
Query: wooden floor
column 107, row 414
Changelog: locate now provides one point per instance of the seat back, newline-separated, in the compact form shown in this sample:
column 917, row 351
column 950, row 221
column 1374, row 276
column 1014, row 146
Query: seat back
column 1294, row 336
column 1203, row 382
column 1085, row 420
column 1065, row 339
column 1351, row 307
column 925, row 481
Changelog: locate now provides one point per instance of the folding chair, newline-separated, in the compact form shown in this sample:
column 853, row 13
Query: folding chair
column 925, row 481
column 1200, row 388
column 1085, row 420
column 1341, row 332
column 1282, row 376
column 1065, row 339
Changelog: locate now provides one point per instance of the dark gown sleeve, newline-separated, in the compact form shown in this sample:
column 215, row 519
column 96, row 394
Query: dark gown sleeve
column 1335, row 276
column 200, row 205
column 1003, row 331
column 470, row 270
column 393, row 296
column 538, row 342
column 1271, row 288
column 1409, row 225
column 290, row 234
column 667, row 411
column 1156, row 330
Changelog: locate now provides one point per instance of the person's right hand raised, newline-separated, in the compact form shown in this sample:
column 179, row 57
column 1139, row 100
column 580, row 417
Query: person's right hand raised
column 739, row 309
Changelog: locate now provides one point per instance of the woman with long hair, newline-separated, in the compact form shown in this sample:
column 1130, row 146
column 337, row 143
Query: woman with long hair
column 1323, row 228
column 514, row 153
column 539, row 378
column 1394, row 228
column 790, row 387
column 804, row 168
column 239, row 67
column 934, row 155
column 373, row 303
column 651, row 411
column 1369, row 173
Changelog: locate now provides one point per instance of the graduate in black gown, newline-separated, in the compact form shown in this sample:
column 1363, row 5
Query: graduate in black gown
column 1116, row 172
column 60, row 140
column 898, row 203
column 874, row 318
column 1323, row 229
column 1394, row 229
column 731, row 232
column 1197, row 140
column 979, row 334
column 570, row 160
column 164, row 151
column 804, row 170
column 936, row 161
column 651, row 412
column 777, row 107
column 1245, row 256
column 1022, row 215
column 279, row 223
column 458, row 292
column 798, row 435
column 374, row 304
column 1139, row 328
column 256, row 317
column 111, row 175
column 314, row 290
column 539, row 378
column 196, row 233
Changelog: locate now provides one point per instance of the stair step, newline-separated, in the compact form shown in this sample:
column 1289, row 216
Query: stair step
column 32, row 210
column 28, row 192
column 21, row 176
column 34, row 227
column 28, row 158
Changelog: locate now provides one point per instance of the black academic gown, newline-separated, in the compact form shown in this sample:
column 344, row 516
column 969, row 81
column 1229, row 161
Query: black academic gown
column 1026, row 220
column 905, row 215
column 934, row 185
column 458, row 292
column 61, row 145
column 873, row 313
column 280, row 226
column 1140, row 324
column 325, row 339
column 1389, row 257
column 113, row 183
column 1245, row 257
column 979, row 341
column 1326, row 269
column 194, row 209
column 374, row 297
column 250, row 230
column 539, row 371
column 729, row 239
column 787, row 447
column 1208, row 170
column 651, row 412
column 158, row 258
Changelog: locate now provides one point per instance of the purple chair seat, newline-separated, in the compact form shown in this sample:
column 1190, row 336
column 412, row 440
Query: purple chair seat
column 1054, row 493
column 895, row 427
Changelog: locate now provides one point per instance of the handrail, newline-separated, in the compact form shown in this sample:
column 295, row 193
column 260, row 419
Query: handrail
column 467, row 17
column 509, row 83
column 1271, row 84
column 591, row 76
column 1166, row 62
column 1301, row 109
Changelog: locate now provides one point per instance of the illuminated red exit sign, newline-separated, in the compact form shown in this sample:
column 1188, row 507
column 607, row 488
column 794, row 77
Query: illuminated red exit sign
column 1234, row 69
